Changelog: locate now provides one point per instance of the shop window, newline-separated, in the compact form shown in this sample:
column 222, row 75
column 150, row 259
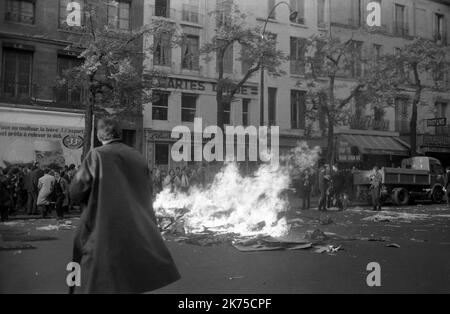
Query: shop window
column 161, row 154
column 119, row 14
column 129, row 137
column 188, row 107
column 20, row 11
column 16, row 73
column 160, row 105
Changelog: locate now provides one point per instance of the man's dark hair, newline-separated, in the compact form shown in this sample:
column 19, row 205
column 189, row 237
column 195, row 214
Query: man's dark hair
column 108, row 129
column 47, row 170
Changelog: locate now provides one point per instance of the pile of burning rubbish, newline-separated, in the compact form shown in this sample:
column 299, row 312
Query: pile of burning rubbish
column 248, row 212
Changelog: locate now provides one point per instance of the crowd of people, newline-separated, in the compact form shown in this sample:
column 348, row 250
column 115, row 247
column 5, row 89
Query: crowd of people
column 35, row 190
column 178, row 179
column 332, row 185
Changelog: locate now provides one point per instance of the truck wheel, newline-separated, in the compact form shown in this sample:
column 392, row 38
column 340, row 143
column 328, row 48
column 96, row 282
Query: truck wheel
column 401, row 197
column 437, row 196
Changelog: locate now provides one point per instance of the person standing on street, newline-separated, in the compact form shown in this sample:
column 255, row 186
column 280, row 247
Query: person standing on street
column 324, row 180
column 5, row 197
column 447, row 186
column 305, row 187
column 376, row 180
column 60, row 191
column 118, row 244
column 46, row 185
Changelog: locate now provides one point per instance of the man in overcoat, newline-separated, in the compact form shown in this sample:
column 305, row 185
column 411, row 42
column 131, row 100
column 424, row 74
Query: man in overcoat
column 118, row 244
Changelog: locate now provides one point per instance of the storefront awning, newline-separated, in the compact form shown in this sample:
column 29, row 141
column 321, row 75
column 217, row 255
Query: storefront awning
column 377, row 145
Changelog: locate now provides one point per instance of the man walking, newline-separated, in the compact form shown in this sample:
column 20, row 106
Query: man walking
column 376, row 181
column 118, row 244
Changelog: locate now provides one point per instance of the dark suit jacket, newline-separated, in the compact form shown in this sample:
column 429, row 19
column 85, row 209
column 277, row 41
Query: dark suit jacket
column 118, row 243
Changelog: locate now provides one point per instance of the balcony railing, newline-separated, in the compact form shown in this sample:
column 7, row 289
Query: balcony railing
column 163, row 11
column 188, row 14
column 368, row 123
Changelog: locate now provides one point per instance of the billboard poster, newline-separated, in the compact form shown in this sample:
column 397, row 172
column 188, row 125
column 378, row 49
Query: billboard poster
column 48, row 145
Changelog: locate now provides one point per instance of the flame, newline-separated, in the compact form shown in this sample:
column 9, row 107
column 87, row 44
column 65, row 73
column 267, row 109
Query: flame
column 246, row 206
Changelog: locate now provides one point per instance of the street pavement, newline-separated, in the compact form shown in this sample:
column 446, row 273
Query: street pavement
column 419, row 262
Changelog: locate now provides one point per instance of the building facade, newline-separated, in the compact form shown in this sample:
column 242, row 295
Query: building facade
column 34, row 36
column 190, row 92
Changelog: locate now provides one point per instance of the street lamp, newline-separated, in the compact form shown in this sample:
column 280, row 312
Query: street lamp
column 292, row 16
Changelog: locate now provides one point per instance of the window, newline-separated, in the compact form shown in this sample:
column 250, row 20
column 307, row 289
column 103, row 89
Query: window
column 190, row 11
column 129, row 137
column 162, row 53
column 442, row 112
column 400, row 24
column 119, row 14
column 298, row 50
column 401, row 115
column 228, row 59
column 378, row 49
column 190, row 53
column 63, row 14
column 161, row 154
column 16, row 73
column 245, row 111
column 162, row 8
column 188, row 107
column 64, row 94
column 224, row 8
column 246, row 61
column 357, row 17
column 20, row 11
column 298, row 109
column 356, row 62
column 272, row 105
column 160, row 105
column 440, row 34
column 321, row 13
column 299, row 7
column 227, row 113
column 270, row 12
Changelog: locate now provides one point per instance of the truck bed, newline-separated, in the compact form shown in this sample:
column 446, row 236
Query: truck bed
column 394, row 176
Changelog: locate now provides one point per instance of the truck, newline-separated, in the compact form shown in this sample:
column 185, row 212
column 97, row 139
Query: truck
column 418, row 179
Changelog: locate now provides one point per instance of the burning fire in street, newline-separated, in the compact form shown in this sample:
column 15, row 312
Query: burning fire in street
column 233, row 204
